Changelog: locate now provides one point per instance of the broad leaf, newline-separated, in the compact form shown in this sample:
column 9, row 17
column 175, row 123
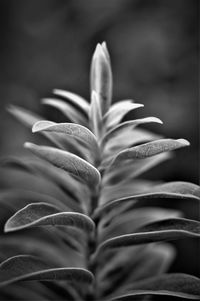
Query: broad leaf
column 27, row 267
column 42, row 214
column 75, row 99
column 118, row 110
column 67, row 161
column 177, row 285
column 163, row 230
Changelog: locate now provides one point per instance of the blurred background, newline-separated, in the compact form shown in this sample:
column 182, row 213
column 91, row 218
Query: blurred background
column 154, row 51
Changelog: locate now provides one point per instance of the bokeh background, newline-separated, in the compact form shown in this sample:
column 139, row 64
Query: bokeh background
column 154, row 50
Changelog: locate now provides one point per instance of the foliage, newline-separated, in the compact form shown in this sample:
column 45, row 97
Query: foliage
column 101, row 237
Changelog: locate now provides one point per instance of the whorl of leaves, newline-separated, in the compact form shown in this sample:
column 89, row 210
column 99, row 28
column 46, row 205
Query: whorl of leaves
column 92, row 227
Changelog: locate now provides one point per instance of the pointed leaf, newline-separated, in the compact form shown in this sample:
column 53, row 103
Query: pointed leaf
column 26, row 267
column 177, row 285
column 101, row 76
column 118, row 110
column 163, row 230
column 42, row 214
column 67, row 161
column 127, row 125
column 149, row 149
column 68, row 110
column 74, row 99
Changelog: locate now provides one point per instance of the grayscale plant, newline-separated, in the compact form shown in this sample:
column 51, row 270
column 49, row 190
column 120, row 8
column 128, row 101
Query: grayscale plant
column 96, row 234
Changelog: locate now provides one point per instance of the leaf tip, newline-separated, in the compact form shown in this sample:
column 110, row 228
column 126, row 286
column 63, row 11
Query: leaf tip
column 184, row 142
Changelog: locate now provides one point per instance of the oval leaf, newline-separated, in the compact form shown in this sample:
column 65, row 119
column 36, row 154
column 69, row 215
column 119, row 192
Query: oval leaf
column 26, row 267
column 41, row 214
column 67, row 161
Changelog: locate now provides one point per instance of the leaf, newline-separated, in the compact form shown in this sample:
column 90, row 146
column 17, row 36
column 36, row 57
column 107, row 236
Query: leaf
column 101, row 76
column 67, row 161
column 76, row 131
column 163, row 230
column 145, row 262
column 42, row 214
column 126, row 139
column 27, row 117
column 130, row 170
column 177, row 285
column 175, row 190
column 75, row 99
column 118, row 110
column 26, row 267
column 148, row 150
column 95, row 116
column 68, row 110
column 126, row 126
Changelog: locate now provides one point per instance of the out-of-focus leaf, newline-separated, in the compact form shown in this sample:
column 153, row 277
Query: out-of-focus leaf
column 118, row 110
column 177, row 285
column 74, row 191
column 148, row 150
column 42, row 214
column 126, row 126
column 163, row 230
column 27, row 117
column 26, row 267
column 145, row 262
column 101, row 76
column 68, row 110
column 95, row 115
column 174, row 190
column 131, row 220
column 67, row 161
column 75, row 99
column 76, row 131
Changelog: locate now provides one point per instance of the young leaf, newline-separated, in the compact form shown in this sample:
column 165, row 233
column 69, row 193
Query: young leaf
column 74, row 99
column 26, row 267
column 118, row 110
column 67, row 161
column 177, row 285
column 42, row 214
column 95, row 115
column 163, row 230
column 101, row 77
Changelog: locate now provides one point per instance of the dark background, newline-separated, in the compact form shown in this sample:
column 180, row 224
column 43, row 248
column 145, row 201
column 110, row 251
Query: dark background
column 154, row 50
